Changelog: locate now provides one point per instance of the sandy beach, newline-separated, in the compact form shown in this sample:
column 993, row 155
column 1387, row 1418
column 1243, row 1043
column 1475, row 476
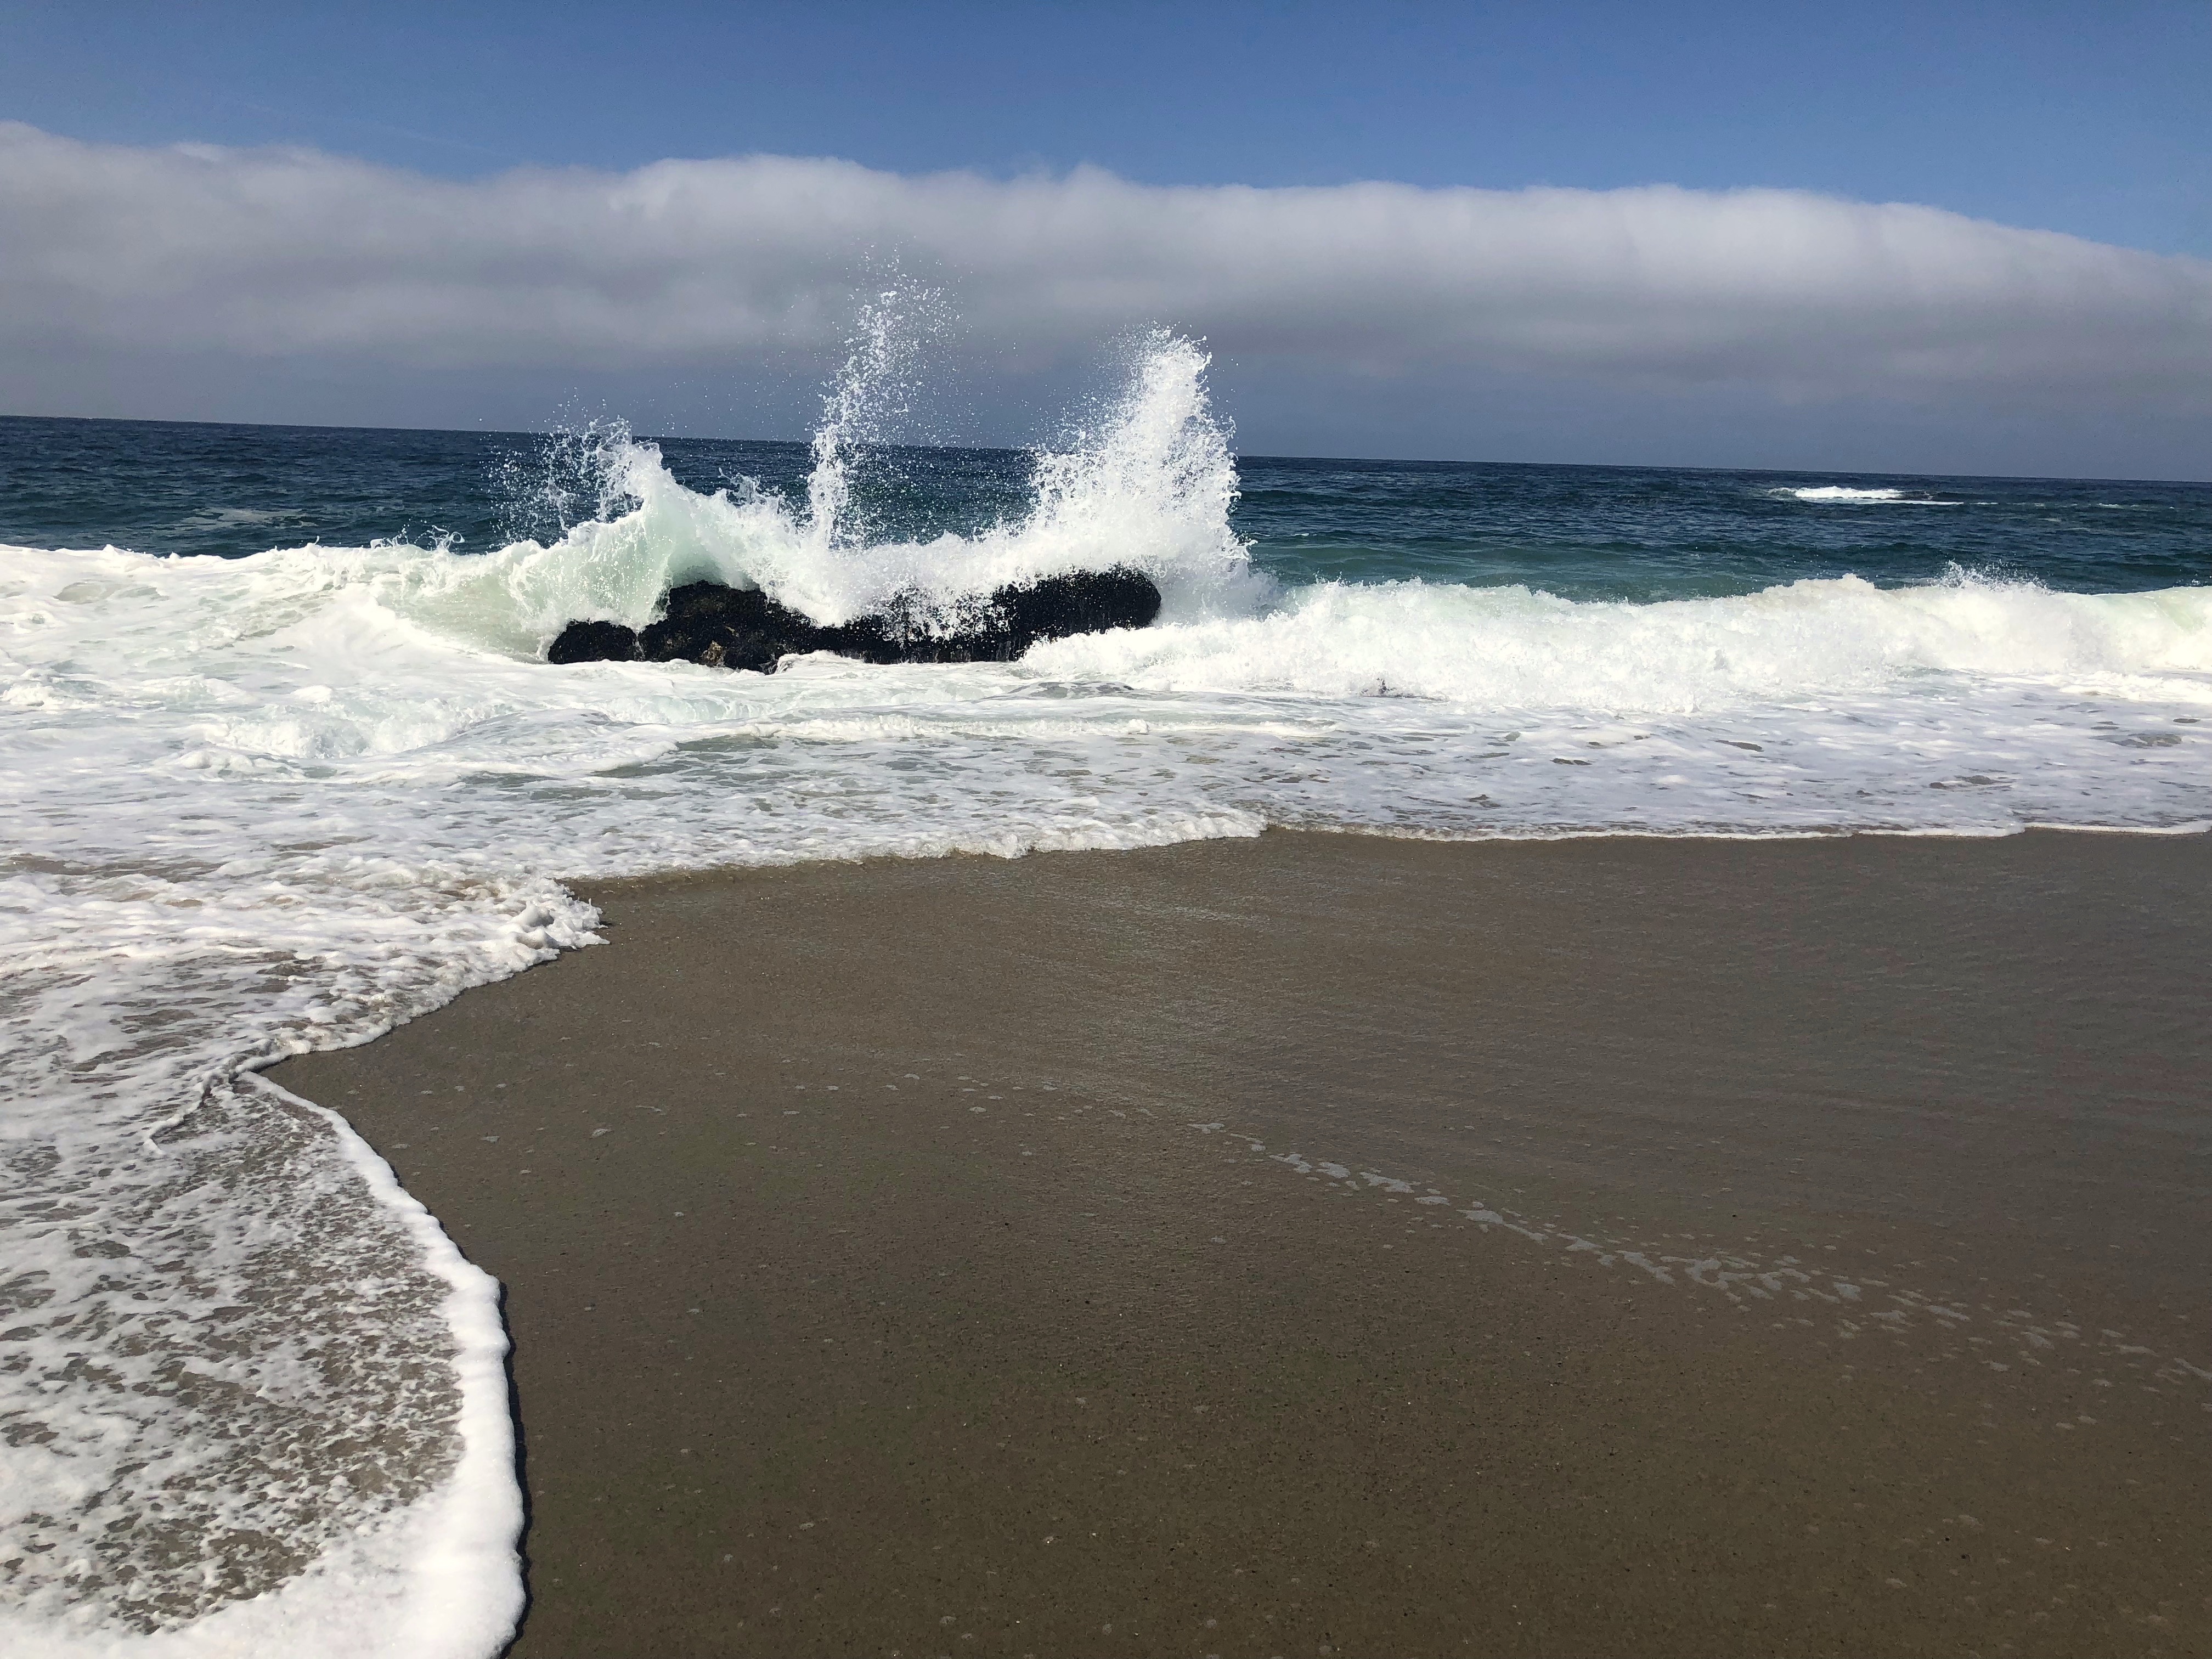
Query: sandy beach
column 1324, row 1244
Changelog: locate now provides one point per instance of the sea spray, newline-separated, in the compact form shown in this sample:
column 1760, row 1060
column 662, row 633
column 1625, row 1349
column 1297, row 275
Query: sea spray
column 1148, row 486
column 872, row 394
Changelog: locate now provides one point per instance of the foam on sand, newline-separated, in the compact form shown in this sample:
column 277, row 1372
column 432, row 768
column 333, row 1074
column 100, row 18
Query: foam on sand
column 437, row 1577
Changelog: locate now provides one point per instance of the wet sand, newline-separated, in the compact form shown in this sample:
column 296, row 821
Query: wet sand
column 1334, row 1245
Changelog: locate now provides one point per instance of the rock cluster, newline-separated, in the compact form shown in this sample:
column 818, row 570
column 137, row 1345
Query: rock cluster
column 744, row 628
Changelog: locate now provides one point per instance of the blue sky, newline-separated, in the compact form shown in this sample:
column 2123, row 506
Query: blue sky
column 416, row 272
column 2092, row 118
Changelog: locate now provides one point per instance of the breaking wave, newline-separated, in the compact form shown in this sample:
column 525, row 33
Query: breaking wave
column 1149, row 487
column 1864, row 497
column 1504, row 648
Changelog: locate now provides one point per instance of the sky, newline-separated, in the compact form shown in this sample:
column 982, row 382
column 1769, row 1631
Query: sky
column 1958, row 238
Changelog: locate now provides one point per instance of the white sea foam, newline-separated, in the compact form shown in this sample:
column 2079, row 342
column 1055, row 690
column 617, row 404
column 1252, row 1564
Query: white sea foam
column 432, row 1579
column 1869, row 497
column 263, row 805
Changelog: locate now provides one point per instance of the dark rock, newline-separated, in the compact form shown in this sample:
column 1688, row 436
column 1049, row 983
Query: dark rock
column 1021, row 614
column 1082, row 602
column 744, row 628
column 725, row 627
column 593, row 641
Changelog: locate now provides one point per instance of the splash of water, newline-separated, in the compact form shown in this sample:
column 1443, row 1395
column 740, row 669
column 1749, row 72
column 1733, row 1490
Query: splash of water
column 580, row 475
column 1148, row 484
column 872, row 392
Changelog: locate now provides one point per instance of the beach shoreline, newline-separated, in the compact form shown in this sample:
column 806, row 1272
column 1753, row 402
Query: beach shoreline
column 1336, row 1243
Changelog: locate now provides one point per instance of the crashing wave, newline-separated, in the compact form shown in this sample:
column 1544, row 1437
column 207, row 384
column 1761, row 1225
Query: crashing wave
column 1844, row 493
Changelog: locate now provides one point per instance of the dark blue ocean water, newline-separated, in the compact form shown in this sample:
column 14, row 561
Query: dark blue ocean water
column 1579, row 531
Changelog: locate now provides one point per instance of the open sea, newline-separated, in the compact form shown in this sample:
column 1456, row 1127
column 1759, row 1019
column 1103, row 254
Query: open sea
column 283, row 765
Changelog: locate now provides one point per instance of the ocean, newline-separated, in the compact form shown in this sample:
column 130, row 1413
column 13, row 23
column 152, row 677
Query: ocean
column 285, row 766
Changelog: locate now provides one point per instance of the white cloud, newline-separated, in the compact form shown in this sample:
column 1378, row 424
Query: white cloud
column 289, row 256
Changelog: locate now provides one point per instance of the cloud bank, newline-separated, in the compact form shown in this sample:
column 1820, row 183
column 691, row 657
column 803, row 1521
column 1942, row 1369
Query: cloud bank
column 296, row 263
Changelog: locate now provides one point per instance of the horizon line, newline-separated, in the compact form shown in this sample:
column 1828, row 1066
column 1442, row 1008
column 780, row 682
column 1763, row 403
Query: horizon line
column 1239, row 455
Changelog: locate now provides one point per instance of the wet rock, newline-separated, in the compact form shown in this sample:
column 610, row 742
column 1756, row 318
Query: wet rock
column 593, row 641
column 744, row 628
column 1019, row 614
column 725, row 627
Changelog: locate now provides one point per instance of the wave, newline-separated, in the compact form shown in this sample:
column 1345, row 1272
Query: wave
column 1844, row 493
column 431, row 656
column 1149, row 486
column 395, row 638
column 1512, row 648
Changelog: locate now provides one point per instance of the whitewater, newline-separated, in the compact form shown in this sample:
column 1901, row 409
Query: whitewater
column 254, row 1397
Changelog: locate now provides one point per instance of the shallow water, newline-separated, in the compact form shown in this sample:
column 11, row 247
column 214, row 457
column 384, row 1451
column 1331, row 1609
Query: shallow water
column 284, row 765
